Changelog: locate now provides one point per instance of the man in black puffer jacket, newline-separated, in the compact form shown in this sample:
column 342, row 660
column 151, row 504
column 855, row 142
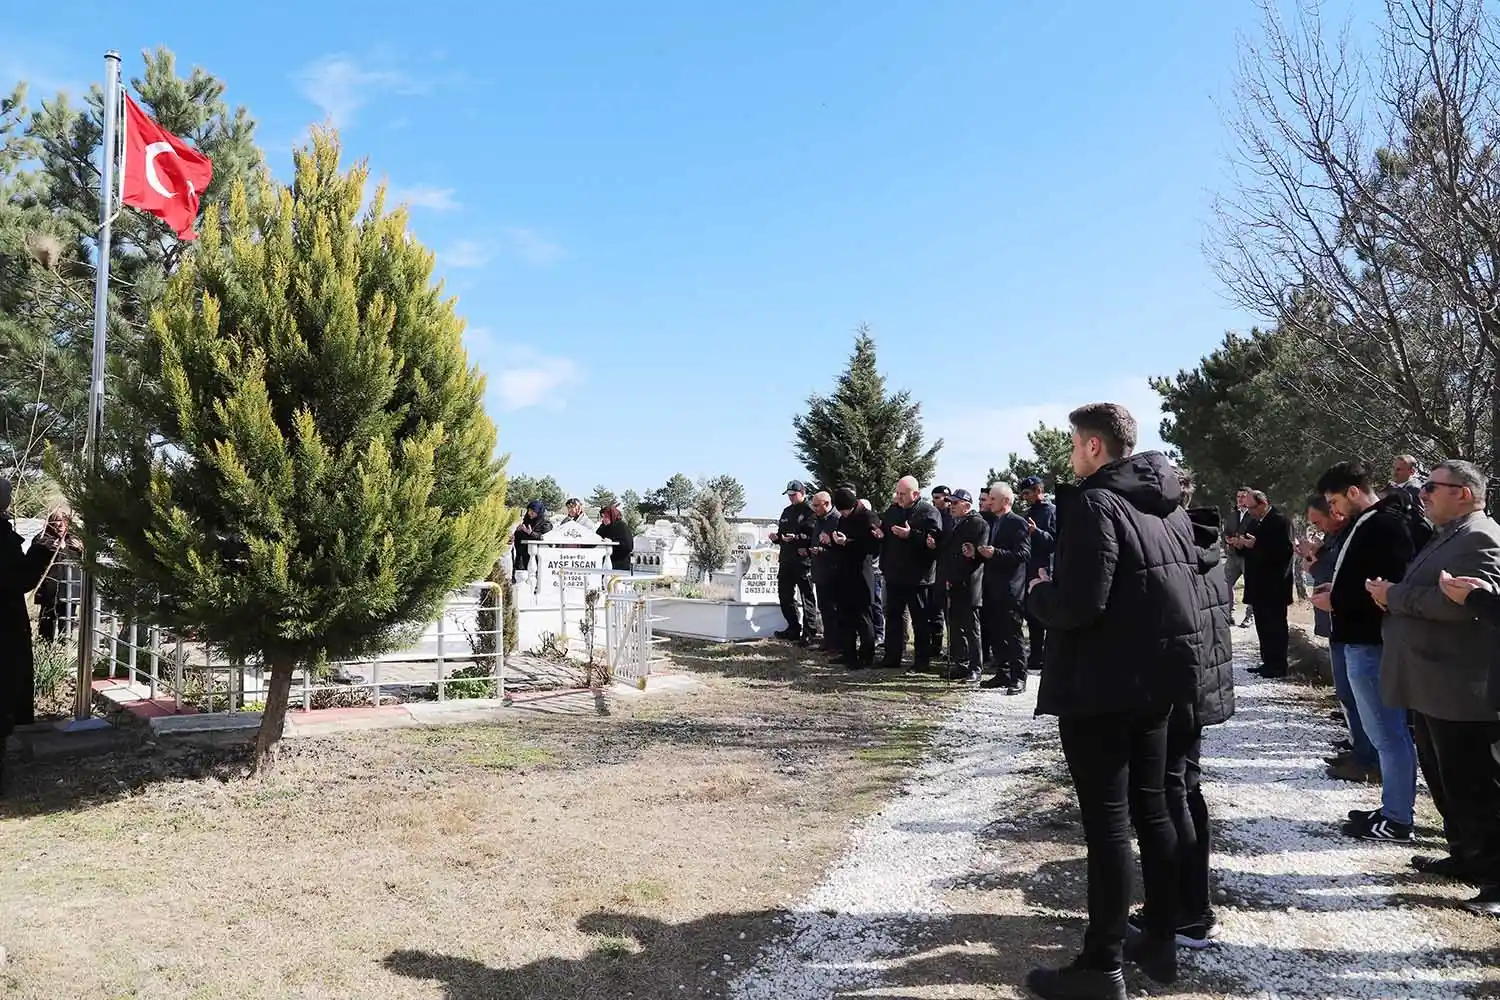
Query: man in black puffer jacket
column 1213, row 703
column 1124, row 645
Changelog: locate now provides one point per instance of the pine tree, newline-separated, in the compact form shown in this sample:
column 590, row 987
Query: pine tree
column 730, row 491
column 1051, row 449
column 522, row 490
column 320, row 472
column 710, row 542
column 678, row 493
column 602, row 497
column 861, row 435
column 630, row 506
column 49, row 211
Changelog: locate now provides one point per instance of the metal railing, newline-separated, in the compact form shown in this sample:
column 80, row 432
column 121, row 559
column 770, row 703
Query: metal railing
column 184, row 669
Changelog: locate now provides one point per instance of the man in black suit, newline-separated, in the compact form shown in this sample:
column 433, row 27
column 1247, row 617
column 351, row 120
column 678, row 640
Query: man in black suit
column 909, row 533
column 1267, row 550
column 1005, row 556
column 960, row 575
column 1041, row 522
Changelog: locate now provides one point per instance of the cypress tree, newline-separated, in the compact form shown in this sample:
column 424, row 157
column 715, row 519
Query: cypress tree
column 318, row 472
column 862, row 435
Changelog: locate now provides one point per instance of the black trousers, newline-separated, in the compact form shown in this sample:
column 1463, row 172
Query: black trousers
column 1271, row 630
column 1002, row 637
column 1467, row 788
column 791, row 584
column 856, row 622
column 828, row 610
column 963, row 630
column 1119, row 767
column 1189, row 814
column 899, row 601
column 937, row 613
column 877, row 604
column 1036, row 634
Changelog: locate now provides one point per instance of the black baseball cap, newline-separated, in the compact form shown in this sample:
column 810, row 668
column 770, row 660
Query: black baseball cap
column 795, row 487
column 1031, row 483
column 939, row 489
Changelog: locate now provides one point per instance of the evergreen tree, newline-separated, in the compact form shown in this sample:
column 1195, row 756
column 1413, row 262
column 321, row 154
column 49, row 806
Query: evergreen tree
column 602, row 497
column 320, row 473
column 731, row 493
column 630, row 506
column 654, row 505
column 861, row 435
column 522, row 490
column 710, row 542
column 678, row 493
column 49, row 214
column 1051, row 449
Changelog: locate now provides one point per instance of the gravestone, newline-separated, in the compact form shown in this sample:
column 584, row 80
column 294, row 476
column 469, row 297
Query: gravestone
column 758, row 569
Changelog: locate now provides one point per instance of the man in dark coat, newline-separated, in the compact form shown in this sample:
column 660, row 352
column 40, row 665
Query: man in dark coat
column 1211, row 704
column 795, row 533
column 1005, row 554
column 1125, row 642
column 824, row 569
column 909, row 534
column 937, row 604
column 1267, row 550
column 1041, row 521
column 961, row 576
column 20, row 573
column 852, row 541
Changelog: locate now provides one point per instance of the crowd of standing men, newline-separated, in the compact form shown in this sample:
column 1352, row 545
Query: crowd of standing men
column 852, row 582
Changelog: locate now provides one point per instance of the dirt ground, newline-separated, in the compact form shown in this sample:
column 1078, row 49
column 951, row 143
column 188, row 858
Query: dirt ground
column 557, row 858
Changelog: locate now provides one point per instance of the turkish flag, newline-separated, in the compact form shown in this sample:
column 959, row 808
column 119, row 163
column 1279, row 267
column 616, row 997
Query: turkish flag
column 161, row 174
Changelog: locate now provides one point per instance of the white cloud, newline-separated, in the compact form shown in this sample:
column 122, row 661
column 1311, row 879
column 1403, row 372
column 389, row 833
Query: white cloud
column 465, row 254
column 532, row 247
column 340, row 86
column 423, row 196
column 982, row 436
column 519, row 377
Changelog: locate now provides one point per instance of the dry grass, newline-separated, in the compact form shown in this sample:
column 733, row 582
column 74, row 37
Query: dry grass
column 559, row 858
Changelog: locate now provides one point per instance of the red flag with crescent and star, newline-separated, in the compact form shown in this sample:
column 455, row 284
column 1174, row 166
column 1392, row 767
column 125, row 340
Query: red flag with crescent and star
column 161, row 174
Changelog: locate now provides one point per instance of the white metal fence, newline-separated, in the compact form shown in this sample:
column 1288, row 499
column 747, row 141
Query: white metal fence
column 629, row 635
column 460, row 655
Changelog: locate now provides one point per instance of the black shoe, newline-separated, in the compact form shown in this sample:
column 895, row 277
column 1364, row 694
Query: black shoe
column 1017, row 686
column 1446, row 867
column 997, row 681
column 922, row 667
column 1487, row 903
column 1156, row 957
column 1195, row 936
column 1343, row 746
column 890, row 664
column 789, row 634
column 1076, row 982
column 962, row 672
column 1378, row 829
column 838, row 661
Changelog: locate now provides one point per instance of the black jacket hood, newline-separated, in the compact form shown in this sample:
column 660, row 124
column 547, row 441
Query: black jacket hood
column 1147, row 481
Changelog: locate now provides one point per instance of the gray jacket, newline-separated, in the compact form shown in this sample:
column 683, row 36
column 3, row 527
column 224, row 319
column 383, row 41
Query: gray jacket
column 1437, row 654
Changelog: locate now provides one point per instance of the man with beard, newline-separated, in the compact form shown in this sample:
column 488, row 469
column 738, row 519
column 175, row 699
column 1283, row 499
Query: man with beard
column 960, row 576
column 1041, row 523
column 1005, row 553
column 795, row 533
column 909, row 534
column 1122, row 609
column 825, row 558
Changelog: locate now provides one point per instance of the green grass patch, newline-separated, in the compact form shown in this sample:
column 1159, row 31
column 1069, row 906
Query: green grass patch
column 493, row 748
column 903, row 744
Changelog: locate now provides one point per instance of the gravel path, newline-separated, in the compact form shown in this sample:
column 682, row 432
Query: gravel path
column 1306, row 912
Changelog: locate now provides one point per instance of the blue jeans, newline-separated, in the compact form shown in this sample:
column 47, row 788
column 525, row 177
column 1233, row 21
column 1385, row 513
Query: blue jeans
column 1387, row 730
column 1364, row 750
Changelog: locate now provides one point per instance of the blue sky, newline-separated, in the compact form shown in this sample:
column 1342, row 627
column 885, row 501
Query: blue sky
column 664, row 220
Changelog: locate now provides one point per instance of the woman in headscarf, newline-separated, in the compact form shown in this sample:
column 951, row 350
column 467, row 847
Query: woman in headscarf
column 20, row 573
column 612, row 527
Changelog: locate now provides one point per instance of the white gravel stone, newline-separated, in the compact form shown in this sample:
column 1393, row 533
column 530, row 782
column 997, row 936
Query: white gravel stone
column 1313, row 914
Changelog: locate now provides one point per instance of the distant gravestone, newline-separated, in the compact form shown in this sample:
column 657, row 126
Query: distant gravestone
column 758, row 571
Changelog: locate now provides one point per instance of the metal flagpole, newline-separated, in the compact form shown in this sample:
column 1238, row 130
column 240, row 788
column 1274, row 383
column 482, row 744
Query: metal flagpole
column 83, row 708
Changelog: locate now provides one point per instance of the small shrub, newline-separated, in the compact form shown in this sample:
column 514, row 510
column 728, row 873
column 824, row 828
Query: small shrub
column 473, row 681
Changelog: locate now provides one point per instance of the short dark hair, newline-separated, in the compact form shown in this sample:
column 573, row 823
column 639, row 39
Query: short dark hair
column 1344, row 476
column 572, row 501
column 1319, row 503
column 844, row 499
column 1111, row 423
column 1467, row 474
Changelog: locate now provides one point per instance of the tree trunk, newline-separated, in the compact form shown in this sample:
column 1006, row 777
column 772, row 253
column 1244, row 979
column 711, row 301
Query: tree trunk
column 273, row 719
